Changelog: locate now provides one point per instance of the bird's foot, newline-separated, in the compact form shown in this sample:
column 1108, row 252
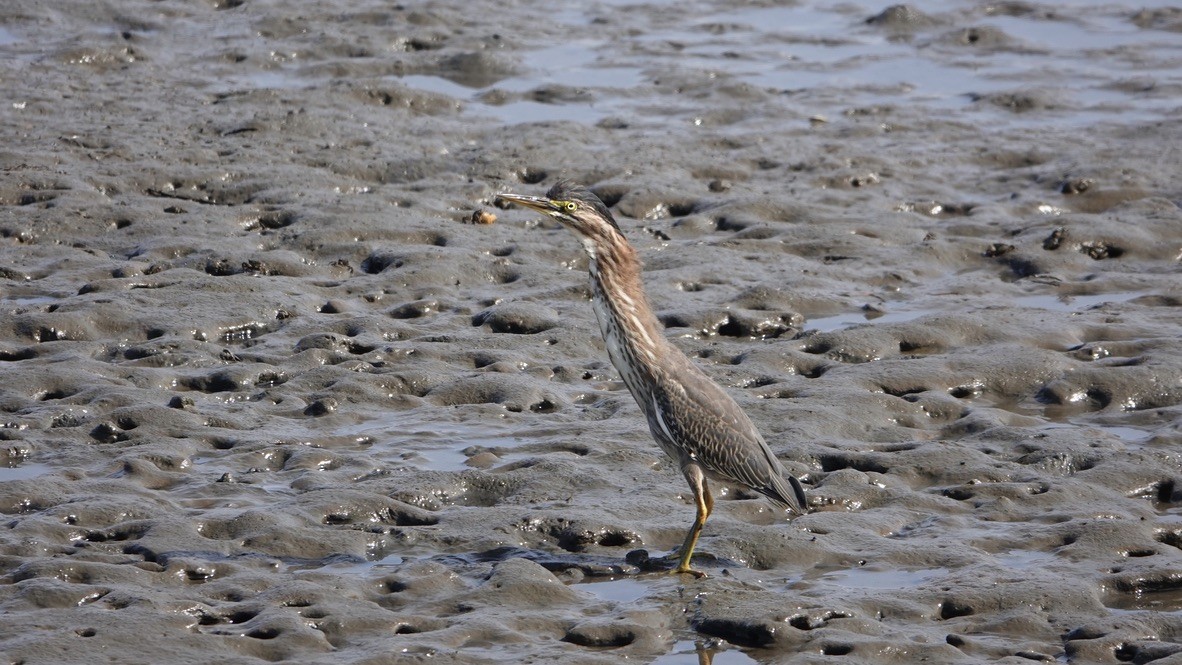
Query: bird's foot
column 683, row 566
column 671, row 564
column 686, row 570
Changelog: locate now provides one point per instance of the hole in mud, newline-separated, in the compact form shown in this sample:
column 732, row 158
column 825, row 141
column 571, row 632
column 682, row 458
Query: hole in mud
column 837, row 462
column 813, row 372
column 1172, row 538
column 1140, row 553
column 407, row 518
column 406, row 629
column 618, row 539
column 414, row 310
column 817, row 347
column 732, row 328
column 1126, row 653
column 126, row 423
column 902, row 392
column 86, row 632
column 951, row 609
column 241, row 616
column 958, row 493
column 610, row 195
column 727, row 224
column 376, row 263
column 836, row 649
column 56, row 394
column 264, row 633
column 680, row 208
column 222, row 444
column 196, row 574
column 505, row 276
column 782, row 393
column 394, row 586
column 964, row 392
column 532, row 176
column 673, row 321
column 1100, row 250
column 909, row 347
column 108, row 433
column 13, row 356
column 1164, row 491
column 739, row 632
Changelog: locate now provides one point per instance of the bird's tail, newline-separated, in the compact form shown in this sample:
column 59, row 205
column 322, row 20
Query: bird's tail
column 801, row 499
column 791, row 496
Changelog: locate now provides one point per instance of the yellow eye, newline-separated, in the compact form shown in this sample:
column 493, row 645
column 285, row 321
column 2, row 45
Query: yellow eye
column 570, row 206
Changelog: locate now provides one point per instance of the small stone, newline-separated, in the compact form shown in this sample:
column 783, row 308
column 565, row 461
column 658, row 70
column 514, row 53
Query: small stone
column 321, row 407
column 482, row 217
column 178, row 402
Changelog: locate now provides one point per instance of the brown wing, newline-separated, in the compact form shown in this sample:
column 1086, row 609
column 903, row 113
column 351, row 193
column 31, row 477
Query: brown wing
column 703, row 422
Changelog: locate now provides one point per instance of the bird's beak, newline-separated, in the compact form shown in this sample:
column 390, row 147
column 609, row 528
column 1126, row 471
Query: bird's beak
column 532, row 202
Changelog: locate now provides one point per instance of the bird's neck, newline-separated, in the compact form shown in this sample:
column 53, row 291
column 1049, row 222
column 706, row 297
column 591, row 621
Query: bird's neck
column 630, row 329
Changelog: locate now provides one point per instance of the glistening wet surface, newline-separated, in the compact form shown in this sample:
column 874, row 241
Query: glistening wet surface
column 269, row 395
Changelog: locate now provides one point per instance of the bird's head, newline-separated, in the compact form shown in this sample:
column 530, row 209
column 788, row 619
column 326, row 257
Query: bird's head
column 578, row 210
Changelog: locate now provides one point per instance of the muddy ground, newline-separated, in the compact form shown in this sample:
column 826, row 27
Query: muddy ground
column 269, row 395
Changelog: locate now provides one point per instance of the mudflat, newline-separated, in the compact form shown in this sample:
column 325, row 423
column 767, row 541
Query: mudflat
column 279, row 382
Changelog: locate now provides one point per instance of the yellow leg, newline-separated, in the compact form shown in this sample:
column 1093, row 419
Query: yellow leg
column 705, row 504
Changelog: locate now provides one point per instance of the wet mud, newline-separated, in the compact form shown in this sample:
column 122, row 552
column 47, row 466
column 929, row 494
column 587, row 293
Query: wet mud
column 282, row 383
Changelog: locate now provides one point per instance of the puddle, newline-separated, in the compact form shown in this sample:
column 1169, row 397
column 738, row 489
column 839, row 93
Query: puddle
column 686, row 652
column 1024, row 559
column 851, row 319
column 31, row 301
column 1057, row 303
column 1131, row 435
column 862, row 578
column 575, row 64
column 375, row 568
column 806, row 48
column 625, row 590
column 23, row 471
column 1153, row 601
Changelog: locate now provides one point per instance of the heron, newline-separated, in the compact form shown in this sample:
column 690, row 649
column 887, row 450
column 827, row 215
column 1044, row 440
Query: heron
column 693, row 419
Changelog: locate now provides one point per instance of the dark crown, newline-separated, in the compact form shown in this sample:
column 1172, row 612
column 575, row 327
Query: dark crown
column 564, row 190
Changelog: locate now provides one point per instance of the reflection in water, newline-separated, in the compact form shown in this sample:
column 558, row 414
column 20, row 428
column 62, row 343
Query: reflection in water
column 703, row 652
column 1167, row 600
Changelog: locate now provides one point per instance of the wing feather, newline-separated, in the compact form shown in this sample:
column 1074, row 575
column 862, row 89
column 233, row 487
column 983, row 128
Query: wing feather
column 704, row 424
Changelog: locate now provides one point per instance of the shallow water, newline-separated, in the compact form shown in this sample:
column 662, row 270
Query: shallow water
column 269, row 397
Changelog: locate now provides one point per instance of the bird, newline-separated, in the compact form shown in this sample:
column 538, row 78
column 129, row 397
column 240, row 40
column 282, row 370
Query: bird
column 691, row 418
